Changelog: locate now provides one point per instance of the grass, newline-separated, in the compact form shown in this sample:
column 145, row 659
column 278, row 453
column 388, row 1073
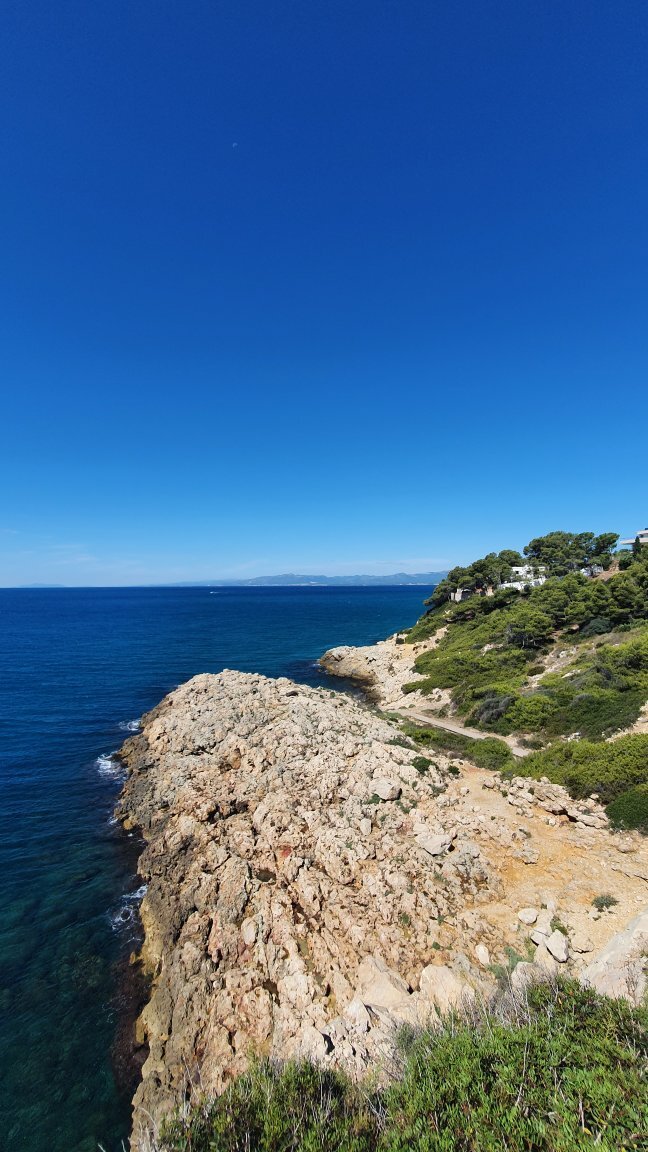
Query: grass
column 490, row 753
column 558, row 1070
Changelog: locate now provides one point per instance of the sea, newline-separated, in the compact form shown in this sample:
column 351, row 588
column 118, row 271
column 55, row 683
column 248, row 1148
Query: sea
column 78, row 667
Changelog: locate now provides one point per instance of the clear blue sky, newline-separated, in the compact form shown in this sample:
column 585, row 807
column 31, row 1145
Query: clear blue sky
column 318, row 286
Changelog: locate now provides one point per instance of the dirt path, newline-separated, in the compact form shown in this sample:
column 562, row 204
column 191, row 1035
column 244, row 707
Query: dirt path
column 434, row 721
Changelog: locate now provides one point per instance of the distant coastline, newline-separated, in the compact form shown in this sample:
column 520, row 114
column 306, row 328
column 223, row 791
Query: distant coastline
column 290, row 580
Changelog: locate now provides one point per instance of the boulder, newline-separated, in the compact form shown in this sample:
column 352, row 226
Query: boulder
column 433, row 845
column 558, row 946
column 619, row 969
column 387, row 789
column 441, row 988
column 380, row 985
column 313, row 1045
column 528, row 915
column 483, row 955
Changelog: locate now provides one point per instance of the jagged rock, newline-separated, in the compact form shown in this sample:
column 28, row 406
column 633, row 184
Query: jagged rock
column 313, row 1044
column 433, row 845
column 558, row 946
column 269, row 885
column 579, row 942
column 387, row 789
column 620, row 968
column 357, row 1014
column 544, row 959
column 265, row 889
column 380, row 986
column 439, row 986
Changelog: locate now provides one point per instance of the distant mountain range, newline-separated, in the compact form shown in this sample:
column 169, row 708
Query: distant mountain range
column 291, row 579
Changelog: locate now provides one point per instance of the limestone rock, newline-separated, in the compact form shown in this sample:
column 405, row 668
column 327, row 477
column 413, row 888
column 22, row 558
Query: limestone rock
column 433, row 845
column 524, row 974
column 580, row 942
column 544, row 959
column 483, row 955
column 441, row 987
column 380, row 985
column 387, row 789
column 528, row 915
column 558, row 946
column 620, row 968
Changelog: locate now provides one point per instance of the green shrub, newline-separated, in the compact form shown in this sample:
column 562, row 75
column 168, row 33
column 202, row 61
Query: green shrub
column 422, row 764
column 583, row 767
column 597, row 626
column 563, row 1070
column 492, row 754
column 489, row 753
column 630, row 809
column 603, row 902
column 273, row 1108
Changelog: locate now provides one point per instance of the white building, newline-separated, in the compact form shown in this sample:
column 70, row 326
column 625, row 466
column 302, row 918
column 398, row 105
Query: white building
column 525, row 576
column 641, row 536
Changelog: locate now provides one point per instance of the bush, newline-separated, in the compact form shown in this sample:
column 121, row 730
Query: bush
column 489, row 753
column 630, row 810
column 491, row 709
column 563, row 1070
column 273, row 1108
column 597, row 627
column 422, row 765
column 583, row 767
column 603, row 902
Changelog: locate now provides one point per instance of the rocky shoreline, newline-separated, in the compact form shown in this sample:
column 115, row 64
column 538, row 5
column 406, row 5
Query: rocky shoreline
column 314, row 882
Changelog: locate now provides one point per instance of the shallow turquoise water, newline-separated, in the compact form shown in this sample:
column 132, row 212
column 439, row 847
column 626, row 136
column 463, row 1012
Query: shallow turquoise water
column 76, row 666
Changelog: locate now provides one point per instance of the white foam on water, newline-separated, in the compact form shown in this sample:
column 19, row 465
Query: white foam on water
column 138, row 894
column 126, row 914
column 106, row 765
column 130, row 725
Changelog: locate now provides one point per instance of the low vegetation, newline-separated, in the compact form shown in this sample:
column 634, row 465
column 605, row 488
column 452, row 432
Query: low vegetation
column 489, row 753
column 584, row 767
column 568, row 658
column 559, row 1070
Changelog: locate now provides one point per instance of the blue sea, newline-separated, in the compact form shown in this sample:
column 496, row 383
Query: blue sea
column 77, row 669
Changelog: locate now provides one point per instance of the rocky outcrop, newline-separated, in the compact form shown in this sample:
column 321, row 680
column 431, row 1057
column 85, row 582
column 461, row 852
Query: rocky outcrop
column 621, row 967
column 381, row 670
column 313, row 882
column 294, row 904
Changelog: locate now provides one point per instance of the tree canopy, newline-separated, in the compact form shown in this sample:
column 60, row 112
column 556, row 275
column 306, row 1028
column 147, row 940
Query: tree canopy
column 563, row 552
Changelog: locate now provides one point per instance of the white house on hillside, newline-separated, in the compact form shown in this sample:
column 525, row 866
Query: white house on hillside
column 525, row 576
column 641, row 536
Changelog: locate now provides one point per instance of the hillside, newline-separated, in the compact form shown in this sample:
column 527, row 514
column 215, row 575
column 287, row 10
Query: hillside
column 558, row 670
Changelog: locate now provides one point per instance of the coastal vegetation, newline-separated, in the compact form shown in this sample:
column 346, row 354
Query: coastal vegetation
column 563, row 664
column 556, row 1069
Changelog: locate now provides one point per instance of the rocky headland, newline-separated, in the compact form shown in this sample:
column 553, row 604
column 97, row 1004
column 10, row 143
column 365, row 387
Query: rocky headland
column 314, row 881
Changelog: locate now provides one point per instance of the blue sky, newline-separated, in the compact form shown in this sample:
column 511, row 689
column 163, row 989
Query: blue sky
column 326, row 287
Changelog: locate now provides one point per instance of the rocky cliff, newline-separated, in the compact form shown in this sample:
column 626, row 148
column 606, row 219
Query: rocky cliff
column 313, row 881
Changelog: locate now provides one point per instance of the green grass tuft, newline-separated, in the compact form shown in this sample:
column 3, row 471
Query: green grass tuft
column 562, row 1070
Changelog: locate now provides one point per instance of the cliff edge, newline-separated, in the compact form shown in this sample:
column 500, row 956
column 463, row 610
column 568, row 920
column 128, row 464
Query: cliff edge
column 313, row 882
